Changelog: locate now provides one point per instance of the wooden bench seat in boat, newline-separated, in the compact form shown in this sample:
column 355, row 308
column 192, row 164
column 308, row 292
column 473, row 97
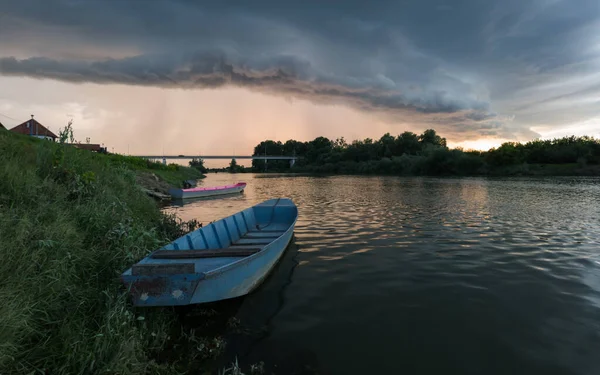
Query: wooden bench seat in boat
column 249, row 244
column 149, row 269
column 210, row 253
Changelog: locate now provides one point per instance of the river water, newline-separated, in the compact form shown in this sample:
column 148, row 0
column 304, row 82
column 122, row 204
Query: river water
column 425, row 275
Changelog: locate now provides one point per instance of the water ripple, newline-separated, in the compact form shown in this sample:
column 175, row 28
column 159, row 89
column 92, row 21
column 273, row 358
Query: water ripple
column 422, row 275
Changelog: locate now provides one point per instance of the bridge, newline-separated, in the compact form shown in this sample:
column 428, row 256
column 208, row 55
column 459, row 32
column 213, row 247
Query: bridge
column 229, row 157
column 164, row 158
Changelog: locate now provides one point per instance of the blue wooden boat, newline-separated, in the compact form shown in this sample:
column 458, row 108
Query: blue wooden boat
column 225, row 259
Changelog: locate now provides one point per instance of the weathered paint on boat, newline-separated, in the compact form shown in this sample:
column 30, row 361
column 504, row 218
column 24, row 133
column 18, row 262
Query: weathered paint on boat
column 225, row 259
column 207, row 191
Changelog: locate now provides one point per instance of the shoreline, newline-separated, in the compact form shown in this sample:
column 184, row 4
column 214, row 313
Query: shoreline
column 536, row 170
column 80, row 219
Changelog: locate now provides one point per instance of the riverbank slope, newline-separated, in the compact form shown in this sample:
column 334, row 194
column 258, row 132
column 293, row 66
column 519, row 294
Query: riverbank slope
column 70, row 222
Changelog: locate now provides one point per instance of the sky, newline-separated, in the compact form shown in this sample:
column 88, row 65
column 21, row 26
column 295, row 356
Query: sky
column 183, row 76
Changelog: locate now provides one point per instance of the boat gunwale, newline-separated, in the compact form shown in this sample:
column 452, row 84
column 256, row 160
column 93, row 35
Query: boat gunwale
column 215, row 188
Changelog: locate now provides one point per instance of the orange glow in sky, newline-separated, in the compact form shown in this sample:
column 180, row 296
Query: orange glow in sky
column 479, row 144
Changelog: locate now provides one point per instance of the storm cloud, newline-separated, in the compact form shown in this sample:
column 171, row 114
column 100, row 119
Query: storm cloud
column 473, row 68
column 212, row 69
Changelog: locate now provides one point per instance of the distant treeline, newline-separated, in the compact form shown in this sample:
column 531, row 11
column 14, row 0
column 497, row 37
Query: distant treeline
column 234, row 167
column 427, row 154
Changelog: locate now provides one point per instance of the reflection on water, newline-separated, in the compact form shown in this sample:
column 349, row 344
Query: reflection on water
column 426, row 276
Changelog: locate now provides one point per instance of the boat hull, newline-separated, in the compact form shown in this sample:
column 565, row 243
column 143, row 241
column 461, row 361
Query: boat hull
column 206, row 192
column 244, row 279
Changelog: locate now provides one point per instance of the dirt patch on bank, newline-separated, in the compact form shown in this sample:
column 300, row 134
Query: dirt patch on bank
column 153, row 185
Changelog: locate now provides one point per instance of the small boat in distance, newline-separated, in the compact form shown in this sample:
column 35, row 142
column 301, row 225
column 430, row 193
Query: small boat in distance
column 224, row 259
column 199, row 192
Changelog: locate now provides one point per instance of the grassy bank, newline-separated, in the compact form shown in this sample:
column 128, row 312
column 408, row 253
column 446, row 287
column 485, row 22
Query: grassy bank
column 172, row 174
column 70, row 222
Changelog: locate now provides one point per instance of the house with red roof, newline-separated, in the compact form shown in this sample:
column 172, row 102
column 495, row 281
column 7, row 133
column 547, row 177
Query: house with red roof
column 35, row 129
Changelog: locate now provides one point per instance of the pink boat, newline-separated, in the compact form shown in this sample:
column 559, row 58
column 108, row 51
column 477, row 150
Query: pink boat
column 207, row 191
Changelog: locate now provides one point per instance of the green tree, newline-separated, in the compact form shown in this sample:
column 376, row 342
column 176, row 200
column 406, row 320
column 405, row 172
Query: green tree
column 292, row 147
column 318, row 150
column 509, row 153
column 233, row 167
column 386, row 146
column 340, row 145
column 429, row 136
column 66, row 134
column 407, row 143
column 269, row 148
column 198, row 163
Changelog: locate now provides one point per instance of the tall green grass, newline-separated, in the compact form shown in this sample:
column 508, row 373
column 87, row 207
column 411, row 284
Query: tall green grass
column 70, row 222
column 171, row 173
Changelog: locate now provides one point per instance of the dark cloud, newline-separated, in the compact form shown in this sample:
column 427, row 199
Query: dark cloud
column 213, row 69
column 478, row 66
